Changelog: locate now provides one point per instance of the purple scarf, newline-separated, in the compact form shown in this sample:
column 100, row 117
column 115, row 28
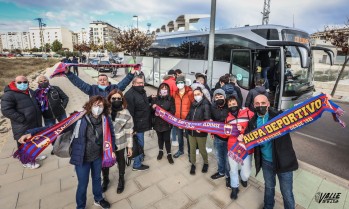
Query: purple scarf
column 41, row 97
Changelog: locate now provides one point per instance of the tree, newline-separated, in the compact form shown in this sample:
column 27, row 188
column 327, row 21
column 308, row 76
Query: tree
column 339, row 37
column 111, row 47
column 93, row 46
column 82, row 47
column 133, row 41
column 47, row 47
column 56, row 46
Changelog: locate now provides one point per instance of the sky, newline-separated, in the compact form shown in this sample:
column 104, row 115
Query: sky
column 308, row 15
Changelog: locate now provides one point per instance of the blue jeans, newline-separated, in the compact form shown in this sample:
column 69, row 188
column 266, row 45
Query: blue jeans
column 221, row 152
column 285, row 181
column 179, row 133
column 83, row 173
column 138, row 160
column 51, row 122
column 265, row 76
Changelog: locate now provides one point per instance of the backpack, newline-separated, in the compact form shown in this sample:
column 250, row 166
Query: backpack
column 62, row 146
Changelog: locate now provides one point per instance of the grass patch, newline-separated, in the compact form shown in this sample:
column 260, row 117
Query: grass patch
column 10, row 68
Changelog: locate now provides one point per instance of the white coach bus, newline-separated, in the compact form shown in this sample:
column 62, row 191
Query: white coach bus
column 236, row 52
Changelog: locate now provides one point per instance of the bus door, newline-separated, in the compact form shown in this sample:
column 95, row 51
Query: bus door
column 242, row 68
column 156, row 72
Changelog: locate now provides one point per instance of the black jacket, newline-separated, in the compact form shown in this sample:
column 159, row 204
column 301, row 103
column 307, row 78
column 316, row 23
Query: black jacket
column 199, row 111
column 139, row 106
column 57, row 102
column 22, row 109
column 219, row 114
column 252, row 94
column 166, row 103
column 284, row 157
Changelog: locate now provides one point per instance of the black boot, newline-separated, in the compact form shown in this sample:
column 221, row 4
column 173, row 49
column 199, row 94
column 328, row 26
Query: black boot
column 105, row 173
column 169, row 158
column 121, row 184
column 234, row 193
column 161, row 153
column 192, row 169
column 243, row 183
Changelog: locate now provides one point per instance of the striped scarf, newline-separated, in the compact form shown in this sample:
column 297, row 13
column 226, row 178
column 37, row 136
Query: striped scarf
column 42, row 98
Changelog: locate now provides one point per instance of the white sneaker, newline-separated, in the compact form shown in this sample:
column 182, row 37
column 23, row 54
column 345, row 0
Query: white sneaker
column 208, row 150
column 31, row 165
column 175, row 143
column 40, row 158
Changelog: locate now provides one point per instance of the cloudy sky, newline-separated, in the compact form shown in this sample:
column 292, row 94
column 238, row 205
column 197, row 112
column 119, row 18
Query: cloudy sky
column 309, row 15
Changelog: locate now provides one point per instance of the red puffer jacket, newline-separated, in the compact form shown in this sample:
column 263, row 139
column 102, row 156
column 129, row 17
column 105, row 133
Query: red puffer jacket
column 243, row 117
column 171, row 81
column 183, row 103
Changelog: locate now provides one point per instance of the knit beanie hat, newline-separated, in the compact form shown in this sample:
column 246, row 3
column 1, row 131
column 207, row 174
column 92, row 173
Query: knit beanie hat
column 219, row 91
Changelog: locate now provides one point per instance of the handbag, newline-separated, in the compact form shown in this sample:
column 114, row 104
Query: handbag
column 136, row 150
column 62, row 147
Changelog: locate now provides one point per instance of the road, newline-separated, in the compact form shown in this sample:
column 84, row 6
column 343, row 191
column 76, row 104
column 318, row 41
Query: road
column 325, row 144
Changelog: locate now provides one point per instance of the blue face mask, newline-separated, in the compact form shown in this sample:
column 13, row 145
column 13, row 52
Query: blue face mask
column 102, row 87
column 22, row 86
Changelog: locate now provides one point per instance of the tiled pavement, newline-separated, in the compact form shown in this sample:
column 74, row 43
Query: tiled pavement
column 163, row 186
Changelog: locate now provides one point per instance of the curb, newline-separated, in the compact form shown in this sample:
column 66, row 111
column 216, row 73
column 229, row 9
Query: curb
column 340, row 101
column 324, row 174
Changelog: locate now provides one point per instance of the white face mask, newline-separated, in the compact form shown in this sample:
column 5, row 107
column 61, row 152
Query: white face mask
column 180, row 85
column 198, row 98
column 97, row 110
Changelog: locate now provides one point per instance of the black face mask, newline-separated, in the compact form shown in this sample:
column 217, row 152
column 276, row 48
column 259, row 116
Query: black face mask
column 234, row 110
column 44, row 85
column 116, row 105
column 261, row 110
column 139, row 88
column 220, row 102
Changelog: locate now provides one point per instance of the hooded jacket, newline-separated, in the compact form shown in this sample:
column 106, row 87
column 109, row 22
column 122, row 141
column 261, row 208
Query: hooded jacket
column 183, row 102
column 57, row 101
column 242, row 119
column 22, row 109
column 252, row 94
column 230, row 91
column 284, row 157
column 199, row 111
column 171, row 82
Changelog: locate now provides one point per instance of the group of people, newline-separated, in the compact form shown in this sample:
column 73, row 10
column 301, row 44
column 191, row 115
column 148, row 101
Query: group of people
column 133, row 113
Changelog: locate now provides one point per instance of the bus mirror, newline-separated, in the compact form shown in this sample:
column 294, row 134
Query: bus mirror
column 329, row 52
column 304, row 56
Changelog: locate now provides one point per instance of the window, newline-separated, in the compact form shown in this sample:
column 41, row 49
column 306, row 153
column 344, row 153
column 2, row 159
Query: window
column 241, row 67
column 224, row 43
column 269, row 34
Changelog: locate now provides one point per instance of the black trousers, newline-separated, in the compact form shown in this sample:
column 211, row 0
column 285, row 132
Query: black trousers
column 120, row 158
column 164, row 138
column 76, row 71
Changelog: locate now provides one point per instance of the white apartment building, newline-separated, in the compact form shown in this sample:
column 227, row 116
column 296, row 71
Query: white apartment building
column 83, row 36
column 50, row 34
column 102, row 32
column 15, row 40
column 1, row 48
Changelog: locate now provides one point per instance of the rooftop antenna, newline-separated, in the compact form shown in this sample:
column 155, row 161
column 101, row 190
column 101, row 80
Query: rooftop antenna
column 266, row 12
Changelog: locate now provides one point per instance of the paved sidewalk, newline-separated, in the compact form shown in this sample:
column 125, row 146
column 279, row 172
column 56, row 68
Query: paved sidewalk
column 163, row 186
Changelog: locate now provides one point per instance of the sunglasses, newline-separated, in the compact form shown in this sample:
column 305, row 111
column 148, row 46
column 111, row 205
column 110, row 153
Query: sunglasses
column 116, row 98
column 20, row 82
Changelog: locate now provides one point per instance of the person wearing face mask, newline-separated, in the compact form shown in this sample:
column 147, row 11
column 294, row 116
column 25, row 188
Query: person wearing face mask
column 183, row 99
column 170, row 80
column 139, row 106
column 163, row 128
column 103, row 87
column 238, row 116
column 199, row 111
column 276, row 157
column 87, row 148
column 123, row 127
column 52, row 101
column 219, row 112
column 19, row 105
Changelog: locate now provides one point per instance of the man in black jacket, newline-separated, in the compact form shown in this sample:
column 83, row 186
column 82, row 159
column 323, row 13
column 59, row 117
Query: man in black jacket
column 275, row 157
column 52, row 101
column 19, row 105
column 139, row 106
column 259, row 89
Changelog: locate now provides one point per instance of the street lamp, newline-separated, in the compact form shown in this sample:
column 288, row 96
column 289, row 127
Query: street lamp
column 136, row 16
